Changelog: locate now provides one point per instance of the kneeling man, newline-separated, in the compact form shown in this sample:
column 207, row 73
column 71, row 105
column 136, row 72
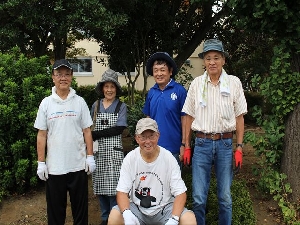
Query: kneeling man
column 150, row 188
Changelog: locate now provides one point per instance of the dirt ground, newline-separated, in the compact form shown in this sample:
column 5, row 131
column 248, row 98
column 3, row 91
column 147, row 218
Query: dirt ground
column 30, row 208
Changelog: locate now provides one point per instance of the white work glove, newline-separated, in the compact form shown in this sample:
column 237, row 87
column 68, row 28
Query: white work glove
column 42, row 171
column 172, row 221
column 130, row 218
column 90, row 164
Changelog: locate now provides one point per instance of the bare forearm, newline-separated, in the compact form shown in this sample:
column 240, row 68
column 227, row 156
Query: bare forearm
column 123, row 201
column 41, row 145
column 88, row 140
column 240, row 127
column 178, row 205
column 188, row 131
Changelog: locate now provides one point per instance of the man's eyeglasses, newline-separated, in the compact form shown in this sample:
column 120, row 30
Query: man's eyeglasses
column 152, row 137
column 58, row 75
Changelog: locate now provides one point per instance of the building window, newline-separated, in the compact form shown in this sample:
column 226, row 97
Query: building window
column 81, row 66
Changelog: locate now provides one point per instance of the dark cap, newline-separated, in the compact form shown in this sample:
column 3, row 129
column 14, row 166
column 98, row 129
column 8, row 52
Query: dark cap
column 161, row 56
column 62, row 62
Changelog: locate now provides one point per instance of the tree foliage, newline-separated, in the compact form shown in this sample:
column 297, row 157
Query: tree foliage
column 35, row 25
column 176, row 27
column 249, row 53
column 278, row 19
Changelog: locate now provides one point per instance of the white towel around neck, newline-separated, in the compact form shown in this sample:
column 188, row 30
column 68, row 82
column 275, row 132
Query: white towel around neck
column 224, row 86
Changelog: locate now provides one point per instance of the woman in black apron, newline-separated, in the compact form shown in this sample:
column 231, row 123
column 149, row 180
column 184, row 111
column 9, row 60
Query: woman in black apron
column 110, row 119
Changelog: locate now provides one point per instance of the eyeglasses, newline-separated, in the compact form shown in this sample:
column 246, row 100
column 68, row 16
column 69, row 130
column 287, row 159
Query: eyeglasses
column 215, row 59
column 152, row 137
column 58, row 75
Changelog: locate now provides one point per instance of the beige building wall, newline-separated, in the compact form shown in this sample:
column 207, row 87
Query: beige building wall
column 92, row 50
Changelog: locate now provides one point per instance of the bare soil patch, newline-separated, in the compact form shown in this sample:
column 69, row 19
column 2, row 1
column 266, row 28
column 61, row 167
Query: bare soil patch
column 30, row 208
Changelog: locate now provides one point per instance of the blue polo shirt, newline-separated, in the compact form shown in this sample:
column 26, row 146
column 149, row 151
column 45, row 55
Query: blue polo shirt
column 164, row 106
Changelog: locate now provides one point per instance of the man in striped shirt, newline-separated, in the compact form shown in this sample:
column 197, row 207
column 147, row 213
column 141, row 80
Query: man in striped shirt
column 215, row 108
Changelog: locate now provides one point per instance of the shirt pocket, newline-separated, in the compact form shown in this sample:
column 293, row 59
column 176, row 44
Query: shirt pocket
column 226, row 109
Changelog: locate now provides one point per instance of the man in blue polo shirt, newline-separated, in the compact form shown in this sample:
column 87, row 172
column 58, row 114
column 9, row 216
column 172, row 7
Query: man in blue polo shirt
column 164, row 103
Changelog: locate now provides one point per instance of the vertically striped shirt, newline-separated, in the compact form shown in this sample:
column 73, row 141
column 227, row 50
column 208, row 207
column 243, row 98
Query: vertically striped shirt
column 220, row 111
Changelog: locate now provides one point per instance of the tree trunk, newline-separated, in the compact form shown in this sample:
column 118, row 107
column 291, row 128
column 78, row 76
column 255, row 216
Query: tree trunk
column 60, row 46
column 291, row 156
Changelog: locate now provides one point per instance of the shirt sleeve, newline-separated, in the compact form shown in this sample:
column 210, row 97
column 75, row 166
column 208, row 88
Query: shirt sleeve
column 86, row 119
column 122, row 116
column 126, row 179
column 41, row 117
column 146, row 108
column 177, row 184
column 182, row 99
column 240, row 104
column 92, row 109
column 189, row 104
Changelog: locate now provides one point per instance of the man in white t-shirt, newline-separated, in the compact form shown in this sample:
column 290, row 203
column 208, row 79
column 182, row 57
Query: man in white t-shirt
column 150, row 188
column 64, row 148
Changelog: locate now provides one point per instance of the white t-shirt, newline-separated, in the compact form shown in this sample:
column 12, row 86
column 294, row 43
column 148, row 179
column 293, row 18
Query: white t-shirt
column 151, row 185
column 64, row 121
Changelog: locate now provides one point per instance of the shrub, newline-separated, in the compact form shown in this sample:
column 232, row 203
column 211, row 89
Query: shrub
column 23, row 84
column 88, row 93
column 253, row 99
column 242, row 206
column 134, row 113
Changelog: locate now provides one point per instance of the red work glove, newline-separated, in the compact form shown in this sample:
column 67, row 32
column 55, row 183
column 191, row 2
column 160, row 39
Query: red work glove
column 238, row 156
column 187, row 156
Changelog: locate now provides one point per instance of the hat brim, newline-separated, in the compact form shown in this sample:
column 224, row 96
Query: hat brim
column 100, row 84
column 161, row 55
column 140, row 131
column 63, row 65
column 201, row 54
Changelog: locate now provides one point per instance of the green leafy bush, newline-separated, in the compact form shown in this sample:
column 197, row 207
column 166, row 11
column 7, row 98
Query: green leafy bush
column 253, row 99
column 88, row 93
column 242, row 206
column 279, row 90
column 134, row 113
column 23, row 84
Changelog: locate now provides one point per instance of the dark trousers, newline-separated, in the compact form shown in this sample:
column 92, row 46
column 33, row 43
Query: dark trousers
column 57, row 186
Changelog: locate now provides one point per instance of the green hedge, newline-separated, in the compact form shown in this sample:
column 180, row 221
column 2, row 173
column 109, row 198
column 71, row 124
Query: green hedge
column 23, row 84
column 242, row 206
column 88, row 93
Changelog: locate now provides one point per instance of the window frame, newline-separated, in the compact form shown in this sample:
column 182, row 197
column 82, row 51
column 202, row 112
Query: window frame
column 83, row 73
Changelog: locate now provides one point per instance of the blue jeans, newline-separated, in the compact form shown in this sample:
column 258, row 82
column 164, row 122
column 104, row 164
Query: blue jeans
column 207, row 153
column 106, row 204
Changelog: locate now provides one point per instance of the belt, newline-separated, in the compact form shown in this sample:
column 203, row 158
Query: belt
column 214, row 136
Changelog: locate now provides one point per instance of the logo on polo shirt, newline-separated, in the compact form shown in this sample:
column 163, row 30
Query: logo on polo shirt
column 173, row 96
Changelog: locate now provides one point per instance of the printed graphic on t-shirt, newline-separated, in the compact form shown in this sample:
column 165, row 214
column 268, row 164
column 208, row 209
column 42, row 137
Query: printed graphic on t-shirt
column 61, row 114
column 149, row 189
column 173, row 96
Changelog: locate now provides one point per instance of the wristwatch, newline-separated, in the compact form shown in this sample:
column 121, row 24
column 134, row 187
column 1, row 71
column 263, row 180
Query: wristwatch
column 240, row 145
column 175, row 218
